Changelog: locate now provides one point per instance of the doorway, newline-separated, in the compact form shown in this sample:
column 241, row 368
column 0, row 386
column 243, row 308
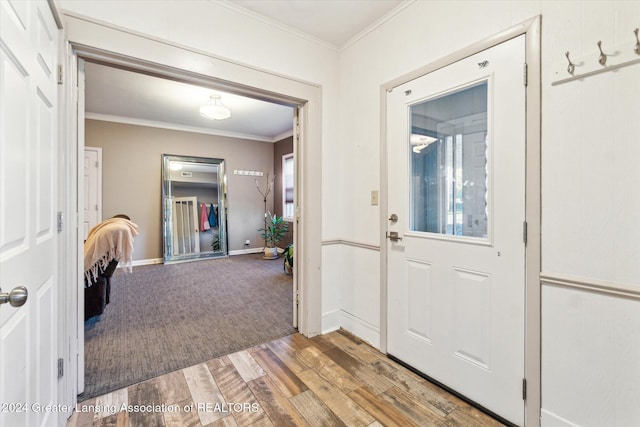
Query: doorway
column 247, row 180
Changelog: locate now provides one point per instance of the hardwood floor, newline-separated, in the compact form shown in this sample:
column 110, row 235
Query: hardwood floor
column 329, row 380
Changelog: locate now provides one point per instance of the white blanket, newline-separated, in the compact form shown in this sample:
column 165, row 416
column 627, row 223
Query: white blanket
column 109, row 240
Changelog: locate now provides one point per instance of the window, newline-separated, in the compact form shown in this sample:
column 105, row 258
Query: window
column 288, row 210
column 449, row 149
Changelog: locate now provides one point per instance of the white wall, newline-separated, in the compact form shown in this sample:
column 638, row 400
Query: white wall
column 590, row 135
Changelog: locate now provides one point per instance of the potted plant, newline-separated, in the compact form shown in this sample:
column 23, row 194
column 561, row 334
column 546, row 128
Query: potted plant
column 273, row 232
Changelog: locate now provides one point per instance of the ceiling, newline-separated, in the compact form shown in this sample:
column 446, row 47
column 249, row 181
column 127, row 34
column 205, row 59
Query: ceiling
column 118, row 95
column 334, row 22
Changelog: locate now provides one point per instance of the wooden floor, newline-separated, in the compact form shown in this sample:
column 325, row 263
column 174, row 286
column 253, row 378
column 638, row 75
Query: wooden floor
column 329, row 380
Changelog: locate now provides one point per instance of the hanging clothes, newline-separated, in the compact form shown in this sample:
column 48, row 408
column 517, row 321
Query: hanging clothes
column 213, row 216
column 204, row 220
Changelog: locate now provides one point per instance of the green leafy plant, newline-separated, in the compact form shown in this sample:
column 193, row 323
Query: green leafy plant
column 274, row 231
column 215, row 242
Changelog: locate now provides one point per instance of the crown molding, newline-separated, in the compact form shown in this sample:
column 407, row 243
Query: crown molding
column 228, row 4
column 283, row 135
column 374, row 25
column 178, row 127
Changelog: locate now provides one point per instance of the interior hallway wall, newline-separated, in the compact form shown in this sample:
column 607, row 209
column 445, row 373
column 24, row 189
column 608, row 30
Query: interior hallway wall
column 132, row 178
column 590, row 133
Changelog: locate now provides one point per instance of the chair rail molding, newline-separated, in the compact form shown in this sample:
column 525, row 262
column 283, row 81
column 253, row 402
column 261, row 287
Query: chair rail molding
column 591, row 285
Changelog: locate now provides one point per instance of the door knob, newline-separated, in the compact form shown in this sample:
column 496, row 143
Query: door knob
column 17, row 297
column 393, row 218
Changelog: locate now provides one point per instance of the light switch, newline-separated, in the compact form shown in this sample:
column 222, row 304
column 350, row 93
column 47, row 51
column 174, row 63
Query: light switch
column 374, row 198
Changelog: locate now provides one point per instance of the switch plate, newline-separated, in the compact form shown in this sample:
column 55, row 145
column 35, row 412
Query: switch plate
column 374, row 198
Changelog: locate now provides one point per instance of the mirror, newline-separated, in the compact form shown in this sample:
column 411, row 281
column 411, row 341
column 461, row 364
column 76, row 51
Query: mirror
column 194, row 208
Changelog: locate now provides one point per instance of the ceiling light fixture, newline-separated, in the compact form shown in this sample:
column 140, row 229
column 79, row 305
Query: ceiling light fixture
column 420, row 142
column 215, row 109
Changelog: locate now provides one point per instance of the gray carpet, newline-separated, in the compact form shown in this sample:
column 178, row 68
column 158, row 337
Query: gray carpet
column 162, row 318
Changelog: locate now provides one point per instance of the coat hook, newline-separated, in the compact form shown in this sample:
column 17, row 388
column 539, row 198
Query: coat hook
column 602, row 59
column 571, row 67
column 636, row 49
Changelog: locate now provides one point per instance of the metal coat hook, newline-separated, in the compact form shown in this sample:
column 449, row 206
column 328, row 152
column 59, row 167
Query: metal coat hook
column 636, row 48
column 602, row 59
column 571, row 67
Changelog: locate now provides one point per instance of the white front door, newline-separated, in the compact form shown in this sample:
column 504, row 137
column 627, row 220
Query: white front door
column 28, row 234
column 456, row 180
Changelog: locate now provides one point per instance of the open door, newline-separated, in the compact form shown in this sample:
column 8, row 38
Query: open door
column 296, row 144
column 29, row 278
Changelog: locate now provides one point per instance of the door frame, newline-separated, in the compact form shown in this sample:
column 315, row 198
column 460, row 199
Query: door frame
column 532, row 31
column 99, row 42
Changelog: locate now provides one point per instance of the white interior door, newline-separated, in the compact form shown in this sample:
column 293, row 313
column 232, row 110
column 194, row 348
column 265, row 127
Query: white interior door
column 28, row 236
column 456, row 277
column 92, row 186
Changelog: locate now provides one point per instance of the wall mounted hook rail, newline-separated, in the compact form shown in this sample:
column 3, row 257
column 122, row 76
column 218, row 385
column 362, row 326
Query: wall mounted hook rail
column 591, row 64
column 571, row 67
column 602, row 59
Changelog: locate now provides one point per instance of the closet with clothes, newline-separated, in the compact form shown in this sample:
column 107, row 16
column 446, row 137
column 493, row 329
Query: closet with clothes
column 193, row 216
column 209, row 228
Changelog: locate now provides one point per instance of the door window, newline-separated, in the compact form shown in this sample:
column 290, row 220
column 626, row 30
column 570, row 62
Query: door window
column 287, row 187
column 449, row 173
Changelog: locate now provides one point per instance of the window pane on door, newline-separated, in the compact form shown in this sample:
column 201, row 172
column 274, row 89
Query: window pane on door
column 288, row 210
column 448, row 149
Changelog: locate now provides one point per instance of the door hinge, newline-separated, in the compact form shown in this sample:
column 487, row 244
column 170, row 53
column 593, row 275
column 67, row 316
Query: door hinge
column 524, row 232
column 60, row 368
column 60, row 221
column 60, row 75
column 526, row 74
column 524, row 389
column 297, row 297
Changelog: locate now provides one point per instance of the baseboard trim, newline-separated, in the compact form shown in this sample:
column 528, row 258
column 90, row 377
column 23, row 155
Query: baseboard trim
column 360, row 328
column 330, row 321
column 152, row 261
column 246, row 251
column 149, row 261
column 591, row 285
column 552, row 420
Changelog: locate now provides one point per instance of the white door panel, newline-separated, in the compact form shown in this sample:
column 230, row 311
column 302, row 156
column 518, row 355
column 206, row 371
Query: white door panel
column 456, row 161
column 28, row 246
column 92, row 185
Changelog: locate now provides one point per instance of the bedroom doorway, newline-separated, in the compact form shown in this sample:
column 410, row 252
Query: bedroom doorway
column 113, row 126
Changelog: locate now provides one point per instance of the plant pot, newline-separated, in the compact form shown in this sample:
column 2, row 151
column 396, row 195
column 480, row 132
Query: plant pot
column 270, row 253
